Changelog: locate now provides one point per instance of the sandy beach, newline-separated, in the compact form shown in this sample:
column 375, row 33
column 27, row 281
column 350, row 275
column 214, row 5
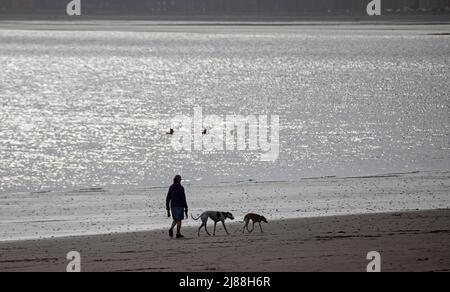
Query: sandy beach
column 407, row 241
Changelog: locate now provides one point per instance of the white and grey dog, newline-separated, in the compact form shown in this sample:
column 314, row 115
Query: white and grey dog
column 216, row 217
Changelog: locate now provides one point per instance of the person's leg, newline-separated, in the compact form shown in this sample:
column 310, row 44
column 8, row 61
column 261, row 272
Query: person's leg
column 179, row 227
column 174, row 223
column 171, row 228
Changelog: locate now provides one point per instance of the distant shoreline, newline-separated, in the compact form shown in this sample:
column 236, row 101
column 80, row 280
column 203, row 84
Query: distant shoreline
column 435, row 28
column 428, row 18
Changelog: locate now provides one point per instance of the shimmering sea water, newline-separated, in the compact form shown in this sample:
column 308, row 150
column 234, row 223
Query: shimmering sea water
column 90, row 108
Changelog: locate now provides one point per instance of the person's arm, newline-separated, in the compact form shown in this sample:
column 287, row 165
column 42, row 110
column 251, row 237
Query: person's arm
column 168, row 199
column 185, row 203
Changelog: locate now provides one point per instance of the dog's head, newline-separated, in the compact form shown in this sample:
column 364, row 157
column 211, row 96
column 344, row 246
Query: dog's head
column 229, row 216
column 263, row 219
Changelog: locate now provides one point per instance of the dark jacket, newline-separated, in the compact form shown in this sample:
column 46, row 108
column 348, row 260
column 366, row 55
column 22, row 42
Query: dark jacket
column 176, row 197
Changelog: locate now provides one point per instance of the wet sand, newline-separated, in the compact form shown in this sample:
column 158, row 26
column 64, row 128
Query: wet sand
column 408, row 241
column 94, row 211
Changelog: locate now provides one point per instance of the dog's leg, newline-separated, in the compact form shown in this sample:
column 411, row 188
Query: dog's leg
column 261, row 227
column 249, row 231
column 223, row 223
column 206, row 229
column 200, row 228
column 253, row 227
column 215, row 225
column 245, row 226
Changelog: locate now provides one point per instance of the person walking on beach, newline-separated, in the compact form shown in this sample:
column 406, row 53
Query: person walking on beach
column 176, row 202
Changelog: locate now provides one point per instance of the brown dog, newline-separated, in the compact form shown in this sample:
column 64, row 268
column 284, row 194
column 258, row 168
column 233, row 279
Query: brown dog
column 255, row 219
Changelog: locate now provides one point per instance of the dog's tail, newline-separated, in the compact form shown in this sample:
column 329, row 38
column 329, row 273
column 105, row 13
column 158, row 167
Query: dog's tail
column 197, row 217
